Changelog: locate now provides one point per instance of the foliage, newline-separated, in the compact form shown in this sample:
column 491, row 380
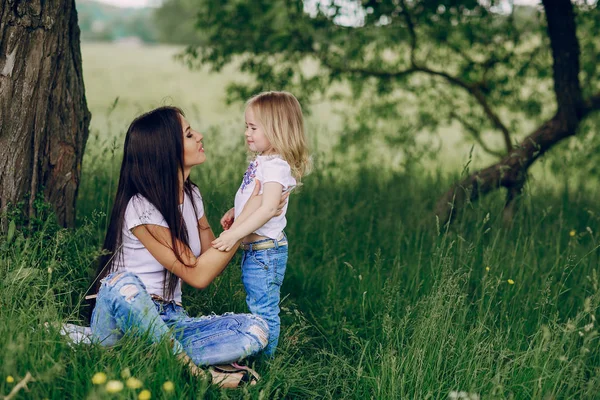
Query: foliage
column 484, row 65
column 175, row 22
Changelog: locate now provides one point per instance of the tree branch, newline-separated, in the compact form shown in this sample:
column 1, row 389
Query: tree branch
column 475, row 91
column 511, row 171
column 461, row 53
column 411, row 31
column 364, row 72
column 476, row 135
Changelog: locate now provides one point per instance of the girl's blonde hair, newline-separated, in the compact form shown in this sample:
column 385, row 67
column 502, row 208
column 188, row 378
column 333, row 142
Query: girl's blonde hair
column 280, row 115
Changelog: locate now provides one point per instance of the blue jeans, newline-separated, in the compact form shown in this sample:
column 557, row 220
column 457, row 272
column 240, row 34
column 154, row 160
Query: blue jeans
column 262, row 275
column 123, row 304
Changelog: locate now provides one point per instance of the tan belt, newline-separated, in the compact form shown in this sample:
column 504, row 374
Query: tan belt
column 267, row 244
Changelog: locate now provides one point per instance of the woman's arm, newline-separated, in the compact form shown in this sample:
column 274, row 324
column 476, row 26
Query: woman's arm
column 157, row 239
column 206, row 267
column 206, row 234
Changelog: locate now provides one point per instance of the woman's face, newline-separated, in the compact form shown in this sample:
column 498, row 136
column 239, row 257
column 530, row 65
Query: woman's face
column 193, row 150
column 255, row 134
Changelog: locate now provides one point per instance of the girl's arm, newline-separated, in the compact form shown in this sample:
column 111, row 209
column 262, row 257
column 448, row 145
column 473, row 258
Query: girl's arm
column 205, row 231
column 268, row 209
column 206, row 234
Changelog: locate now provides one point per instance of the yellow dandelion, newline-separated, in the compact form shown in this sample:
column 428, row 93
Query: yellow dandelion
column 487, row 269
column 145, row 395
column 168, row 386
column 114, row 386
column 572, row 233
column 99, row 378
column 134, row 383
column 126, row 373
column 10, row 379
column 511, row 282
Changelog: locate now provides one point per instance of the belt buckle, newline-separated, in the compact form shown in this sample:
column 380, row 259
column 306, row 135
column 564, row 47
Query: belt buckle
column 265, row 245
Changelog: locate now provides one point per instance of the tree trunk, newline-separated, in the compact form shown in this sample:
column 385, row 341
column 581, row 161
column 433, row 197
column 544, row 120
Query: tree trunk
column 511, row 171
column 43, row 112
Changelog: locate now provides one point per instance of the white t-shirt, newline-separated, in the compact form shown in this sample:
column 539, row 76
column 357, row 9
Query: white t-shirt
column 137, row 259
column 265, row 169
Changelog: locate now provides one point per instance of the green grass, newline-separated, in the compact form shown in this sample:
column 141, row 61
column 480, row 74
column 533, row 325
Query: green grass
column 379, row 300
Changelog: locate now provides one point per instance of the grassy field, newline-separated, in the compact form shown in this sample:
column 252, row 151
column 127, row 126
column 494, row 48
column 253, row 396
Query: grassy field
column 379, row 301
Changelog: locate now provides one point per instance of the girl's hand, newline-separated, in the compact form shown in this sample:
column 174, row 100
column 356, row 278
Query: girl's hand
column 228, row 219
column 225, row 241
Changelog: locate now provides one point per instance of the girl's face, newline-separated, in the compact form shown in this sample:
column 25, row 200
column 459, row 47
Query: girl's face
column 193, row 150
column 255, row 135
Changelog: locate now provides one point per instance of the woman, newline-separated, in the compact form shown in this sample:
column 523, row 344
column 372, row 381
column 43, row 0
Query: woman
column 158, row 236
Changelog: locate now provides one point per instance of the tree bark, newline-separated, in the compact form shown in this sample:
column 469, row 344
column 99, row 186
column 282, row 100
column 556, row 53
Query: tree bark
column 43, row 112
column 511, row 171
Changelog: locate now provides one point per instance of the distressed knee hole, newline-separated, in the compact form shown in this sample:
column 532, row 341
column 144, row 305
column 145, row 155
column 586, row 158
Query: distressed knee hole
column 129, row 292
column 260, row 333
column 115, row 279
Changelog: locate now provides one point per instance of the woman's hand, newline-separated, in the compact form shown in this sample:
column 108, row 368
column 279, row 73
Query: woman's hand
column 227, row 219
column 282, row 202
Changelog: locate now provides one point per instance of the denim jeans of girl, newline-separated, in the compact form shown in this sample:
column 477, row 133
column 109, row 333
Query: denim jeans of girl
column 124, row 305
column 262, row 275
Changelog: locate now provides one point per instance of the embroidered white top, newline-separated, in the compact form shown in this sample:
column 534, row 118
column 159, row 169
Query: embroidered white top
column 266, row 169
column 137, row 259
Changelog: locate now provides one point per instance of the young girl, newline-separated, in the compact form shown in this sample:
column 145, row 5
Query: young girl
column 159, row 236
column 275, row 131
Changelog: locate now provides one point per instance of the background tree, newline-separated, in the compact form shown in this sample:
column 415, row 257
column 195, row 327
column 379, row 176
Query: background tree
column 43, row 112
column 488, row 66
column 175, row 22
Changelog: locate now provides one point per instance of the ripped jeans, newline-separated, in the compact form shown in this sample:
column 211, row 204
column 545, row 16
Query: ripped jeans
column 123, row 304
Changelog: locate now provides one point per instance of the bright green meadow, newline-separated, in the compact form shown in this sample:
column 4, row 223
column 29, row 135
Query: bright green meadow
column 380, row 300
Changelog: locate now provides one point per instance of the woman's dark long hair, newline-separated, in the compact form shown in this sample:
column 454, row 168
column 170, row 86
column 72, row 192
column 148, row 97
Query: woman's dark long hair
column 152, row 164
